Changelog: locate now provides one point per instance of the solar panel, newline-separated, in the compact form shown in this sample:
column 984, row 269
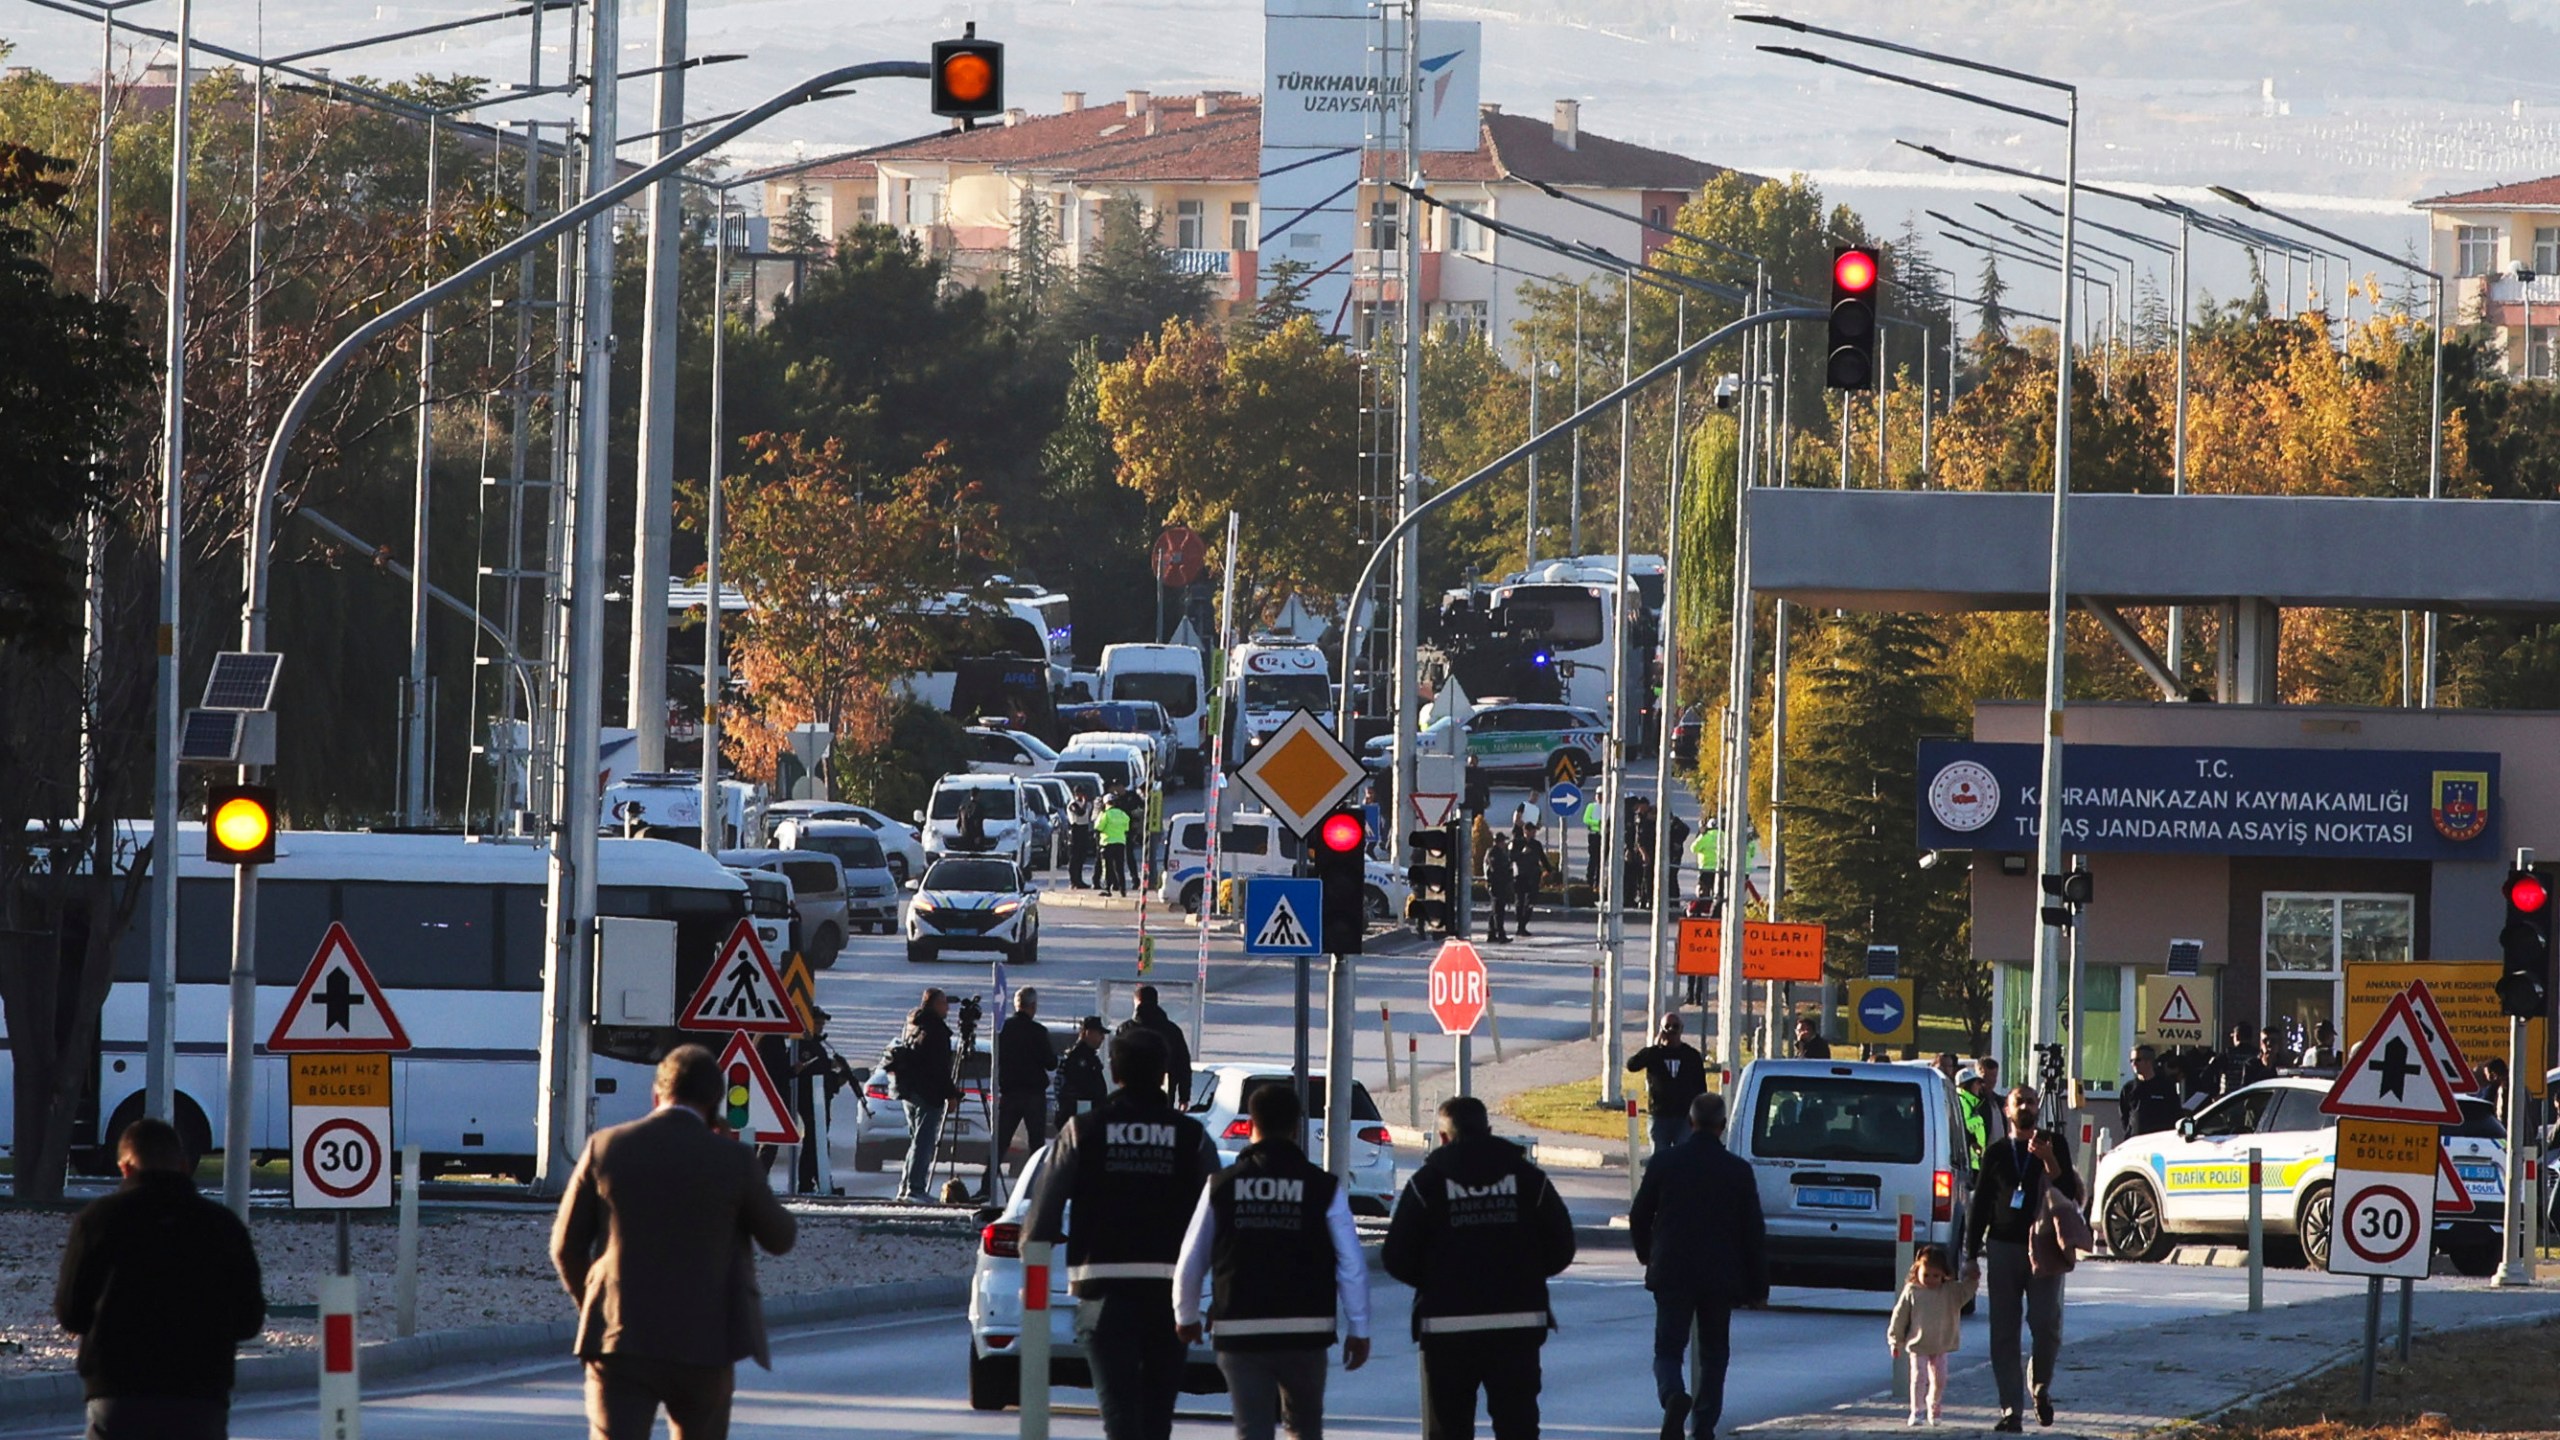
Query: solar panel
column 242, row 680
column 211, row 737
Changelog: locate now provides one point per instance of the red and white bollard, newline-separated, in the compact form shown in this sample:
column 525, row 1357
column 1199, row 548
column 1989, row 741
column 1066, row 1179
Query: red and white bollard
column 1033, row 1344
column 341, row 1394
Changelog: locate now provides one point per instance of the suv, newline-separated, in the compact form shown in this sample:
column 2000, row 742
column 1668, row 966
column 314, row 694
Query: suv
column 1000, row 751
column 1512, row 739
column 1001, row 805
column 1837, row 1146
column 818, row 901
column 2195, row 1180
column 1220, row 1094
column 870, row 884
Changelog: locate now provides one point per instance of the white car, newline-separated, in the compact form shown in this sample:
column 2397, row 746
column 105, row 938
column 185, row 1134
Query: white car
column 1010, row 752
column 1256, row 844
column 880, row 1129
column 2195, row 1180
column 898, row 841
column 969, row 902
column 995, row 1311
column 1000, row 806
column 1219, row 1094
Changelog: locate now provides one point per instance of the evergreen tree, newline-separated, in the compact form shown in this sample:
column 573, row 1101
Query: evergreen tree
column 1991, row 329
column 1128, row 287
column 799, row 233
column 1283, row 297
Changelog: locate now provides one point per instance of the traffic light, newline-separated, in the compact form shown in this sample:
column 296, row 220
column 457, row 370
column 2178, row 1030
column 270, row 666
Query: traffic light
column 240, row 824
column 968, row 77
column 2524, row 988
column 737, row 1097
column 1429, row 875
column 2074, row 889
column 1854, row 273
column 1340, row 858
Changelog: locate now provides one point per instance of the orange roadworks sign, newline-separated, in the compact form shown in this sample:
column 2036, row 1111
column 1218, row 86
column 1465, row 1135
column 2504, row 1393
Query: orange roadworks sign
column 1771, row 949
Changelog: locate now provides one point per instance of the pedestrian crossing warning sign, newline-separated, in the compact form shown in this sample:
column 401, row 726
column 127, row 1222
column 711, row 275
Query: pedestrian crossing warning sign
column 1280, row 914
column 742, row 992
column 1282, row 929
column 2177, row 1010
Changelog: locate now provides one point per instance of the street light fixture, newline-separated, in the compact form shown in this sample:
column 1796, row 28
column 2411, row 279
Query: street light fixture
column 2435, row 413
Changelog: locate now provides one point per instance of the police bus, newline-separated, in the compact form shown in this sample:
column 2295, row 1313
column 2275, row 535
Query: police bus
column 453, row 930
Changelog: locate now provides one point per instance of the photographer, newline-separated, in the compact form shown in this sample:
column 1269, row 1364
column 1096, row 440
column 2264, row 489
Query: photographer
column 920, row 1063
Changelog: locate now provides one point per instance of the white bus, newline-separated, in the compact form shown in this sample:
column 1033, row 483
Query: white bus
column 1569, row 607
column 452, row 928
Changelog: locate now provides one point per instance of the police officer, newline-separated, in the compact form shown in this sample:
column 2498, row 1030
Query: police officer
column 1133, row 1167
column 1081, row 1083
column 1476, row 1233
column 2149, row 1102
column 1273, row 1234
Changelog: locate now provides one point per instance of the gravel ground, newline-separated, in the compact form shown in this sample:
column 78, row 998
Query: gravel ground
column 474, row 1268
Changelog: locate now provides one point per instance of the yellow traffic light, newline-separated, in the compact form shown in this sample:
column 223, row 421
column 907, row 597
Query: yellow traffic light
column 968, row 77
column 240, row 826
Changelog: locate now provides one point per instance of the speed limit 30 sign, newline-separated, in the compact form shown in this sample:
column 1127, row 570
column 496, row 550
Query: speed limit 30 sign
column 2382, row 1216
column 341, row 1132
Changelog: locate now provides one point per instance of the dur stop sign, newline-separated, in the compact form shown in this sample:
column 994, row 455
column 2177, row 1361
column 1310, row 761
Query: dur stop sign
column 1459, row 988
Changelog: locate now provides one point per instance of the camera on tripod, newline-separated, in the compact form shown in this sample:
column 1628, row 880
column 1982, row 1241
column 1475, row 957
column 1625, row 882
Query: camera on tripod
column 972, row 1010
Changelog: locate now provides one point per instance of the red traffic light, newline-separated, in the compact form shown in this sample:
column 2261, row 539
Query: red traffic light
column 1342, row 833
column 2527, row 893
column 968, row 77
column 1854, row 270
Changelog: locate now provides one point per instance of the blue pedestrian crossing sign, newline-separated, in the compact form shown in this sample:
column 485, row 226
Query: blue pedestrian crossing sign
column 1880, row 1012
column 1281, row 915
column 1565, row 799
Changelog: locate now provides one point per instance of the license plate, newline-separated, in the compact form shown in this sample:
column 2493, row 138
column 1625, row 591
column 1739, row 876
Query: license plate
column 2480, row 1177
column 1810, row 1197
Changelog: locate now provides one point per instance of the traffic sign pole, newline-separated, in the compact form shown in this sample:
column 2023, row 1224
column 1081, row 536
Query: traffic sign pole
column 2257, row 1231
column 2517, row 1268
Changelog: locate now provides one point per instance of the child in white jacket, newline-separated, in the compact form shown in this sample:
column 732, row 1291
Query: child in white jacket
column 1927, row 1325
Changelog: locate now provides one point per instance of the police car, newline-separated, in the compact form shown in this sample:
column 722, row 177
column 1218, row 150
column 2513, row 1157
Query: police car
column 1220, row 1093
column 2194, row 1180
column 995, row 1310
column 974, row 903
column 1513, row 740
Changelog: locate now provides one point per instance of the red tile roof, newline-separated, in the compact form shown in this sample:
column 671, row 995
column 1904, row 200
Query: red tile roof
column 1103, row 143
column 2542, row 192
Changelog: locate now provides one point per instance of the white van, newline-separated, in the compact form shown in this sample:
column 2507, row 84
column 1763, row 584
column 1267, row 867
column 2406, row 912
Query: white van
column 1256, row 844
column 1173, row 677
column 1000, row 802
column 1836, row 1146
column 1121, row 765
column 1273, row 681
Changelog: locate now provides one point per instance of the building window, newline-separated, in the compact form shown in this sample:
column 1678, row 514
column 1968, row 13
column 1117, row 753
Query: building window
column 2308, row 940
column 2546, row 249
column 1658, row 217
column 2475, row 249
column 1373, row 324
column 1386, row 231
column 1462, row 320
column 1240, row 225
column 1465, row 236
column 1190, row 221
column 924, row 204
column 2542, row 352
column 866, row 210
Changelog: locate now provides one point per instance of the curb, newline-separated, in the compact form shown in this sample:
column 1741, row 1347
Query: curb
column 2347, row 1357
column 391, row 1360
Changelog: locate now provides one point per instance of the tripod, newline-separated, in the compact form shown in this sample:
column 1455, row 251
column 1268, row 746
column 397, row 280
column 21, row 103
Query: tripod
column 969, row 1063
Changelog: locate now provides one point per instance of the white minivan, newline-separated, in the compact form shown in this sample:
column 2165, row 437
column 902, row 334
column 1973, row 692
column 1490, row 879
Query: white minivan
column 1837, row 1146
column 1000, row 805
column 1173, row 677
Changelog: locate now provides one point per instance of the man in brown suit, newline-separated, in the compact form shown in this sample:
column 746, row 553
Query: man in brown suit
column 670, row 1305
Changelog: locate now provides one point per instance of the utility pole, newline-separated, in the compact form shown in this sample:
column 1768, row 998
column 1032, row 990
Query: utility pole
column 159, row 1071
column 414, row 800
column 570, row 894
column 1613, row 782
column 716, row 514
column 654, row 514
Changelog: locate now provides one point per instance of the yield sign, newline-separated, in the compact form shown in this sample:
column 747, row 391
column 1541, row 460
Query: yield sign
column 1433, row 811
column 1459, row 988
column 750, row 1104
column 2452, row 1196
column 742, row 991
column 337, row 1005
column 2440, row 1041
column 2394, row 1074
column 1301, row 772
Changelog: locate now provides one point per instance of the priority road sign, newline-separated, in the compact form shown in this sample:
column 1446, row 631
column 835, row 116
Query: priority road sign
column 1459, row 987
column 748, row 1093
column 742, row 991
column 1301, row 772
column 1564, row 799
column 2177, row 1010
column 2394, row 1074
column 1880, row 1012
column 337, row 1006
column 341, row 1131
column 1281, row 914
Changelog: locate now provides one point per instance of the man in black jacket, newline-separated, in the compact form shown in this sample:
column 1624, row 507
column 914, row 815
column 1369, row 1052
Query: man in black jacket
column 1133, row 1169
column 1476, row 1233
column 1081, row 1082
column 1025, row 1054
column 1674, row 1074
column 1528, row 872
column 160, row 1284
column 2008, row 1198
column 1696, row 1222
column 2150, row 1101
column 928, row 1089
column 1177, row 1049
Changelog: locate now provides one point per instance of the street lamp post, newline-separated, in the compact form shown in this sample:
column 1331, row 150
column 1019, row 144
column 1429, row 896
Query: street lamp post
column 160, row 1079
column 2435, row 408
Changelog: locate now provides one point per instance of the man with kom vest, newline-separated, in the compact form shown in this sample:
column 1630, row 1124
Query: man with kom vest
column 1273, row 1236
column 1476, row 1233
column 1133, row 1167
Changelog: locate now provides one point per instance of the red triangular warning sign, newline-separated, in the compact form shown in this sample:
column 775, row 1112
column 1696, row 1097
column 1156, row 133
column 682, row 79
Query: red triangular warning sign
column 2179, row 1009
column 749, row 1103
column 2452, row 1196
column 2394, row 1074
column 337, row 1005
column 2440, row 1042
column 742, row 991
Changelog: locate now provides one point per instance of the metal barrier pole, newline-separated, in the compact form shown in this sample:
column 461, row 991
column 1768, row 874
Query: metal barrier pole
column 1905, row 1245
column 1493, row 1027
column 1595, row 1002
column 2406, row 1286
column 2257, row 1232
column 404, row 1265
column 2372, row 1337
column 1033, row 1345
column 1413, row 1081
column 1387, row 1028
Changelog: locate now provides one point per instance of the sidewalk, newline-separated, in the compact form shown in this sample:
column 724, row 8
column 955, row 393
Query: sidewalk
column 2133, row 1382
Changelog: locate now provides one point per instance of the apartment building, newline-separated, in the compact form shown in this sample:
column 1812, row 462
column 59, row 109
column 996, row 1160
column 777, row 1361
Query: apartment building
column 1193, row 162
column 2499, row 250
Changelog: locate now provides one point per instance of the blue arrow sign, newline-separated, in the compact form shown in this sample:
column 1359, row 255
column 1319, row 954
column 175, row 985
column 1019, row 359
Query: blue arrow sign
column 1283, row 915
column 1880, row 1010
column 1565, row 799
